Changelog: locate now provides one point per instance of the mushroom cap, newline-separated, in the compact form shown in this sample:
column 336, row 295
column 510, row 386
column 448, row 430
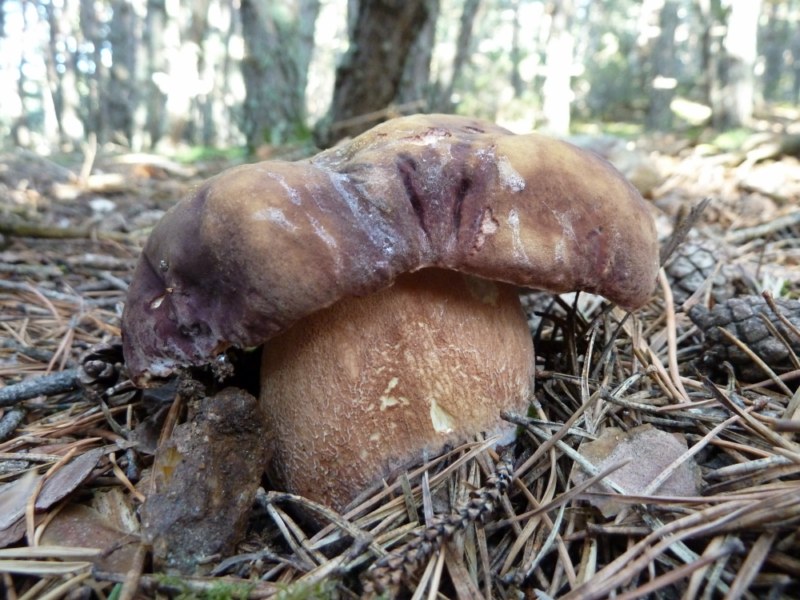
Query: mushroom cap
column 260, row 246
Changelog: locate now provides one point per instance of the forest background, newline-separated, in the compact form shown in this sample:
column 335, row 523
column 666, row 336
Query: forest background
column 167, row 75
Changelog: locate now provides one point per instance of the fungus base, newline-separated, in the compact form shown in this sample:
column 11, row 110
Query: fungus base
column 363, row 388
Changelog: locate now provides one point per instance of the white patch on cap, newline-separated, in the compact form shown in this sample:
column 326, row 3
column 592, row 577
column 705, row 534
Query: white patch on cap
column 294, row 197
column 430, row 138
column 160, row 367
column 322, row 234
column 387, row 399
column 442, row 421
column 274, row 215
column 516, row 238
column 157, row 302
column 489, row 226
column 568, row 238
column 509, row 177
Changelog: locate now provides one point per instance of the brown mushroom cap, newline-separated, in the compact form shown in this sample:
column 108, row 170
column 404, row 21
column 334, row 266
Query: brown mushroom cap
column 261, row 246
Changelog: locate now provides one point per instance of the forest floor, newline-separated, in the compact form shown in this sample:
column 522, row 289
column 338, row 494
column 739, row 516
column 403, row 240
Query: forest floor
column 695, row 431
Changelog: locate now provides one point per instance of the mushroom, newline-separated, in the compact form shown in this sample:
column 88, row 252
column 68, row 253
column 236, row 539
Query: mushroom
column 380, row 277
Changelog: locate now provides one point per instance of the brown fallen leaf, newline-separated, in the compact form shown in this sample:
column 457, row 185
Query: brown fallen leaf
column 68, row 478
column 648, row 452
column 14, row 497
column 13, row 533
column 79, row 526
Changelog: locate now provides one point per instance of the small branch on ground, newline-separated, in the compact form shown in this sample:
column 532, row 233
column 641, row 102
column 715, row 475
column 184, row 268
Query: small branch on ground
column 45, row 385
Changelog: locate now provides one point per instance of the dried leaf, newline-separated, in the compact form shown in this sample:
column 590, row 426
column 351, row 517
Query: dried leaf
column 649, row 451
column 82, row 527
column 13, row 533
column 14, row 496
column 67, row 478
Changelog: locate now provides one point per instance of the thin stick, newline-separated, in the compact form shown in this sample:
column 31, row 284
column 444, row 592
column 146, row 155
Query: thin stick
column 752, row 565
column 45, row 385
column 130, row 588
column 672, row 341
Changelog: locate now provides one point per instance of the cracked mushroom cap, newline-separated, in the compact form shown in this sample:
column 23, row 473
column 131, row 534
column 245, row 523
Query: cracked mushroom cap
column 261, row 246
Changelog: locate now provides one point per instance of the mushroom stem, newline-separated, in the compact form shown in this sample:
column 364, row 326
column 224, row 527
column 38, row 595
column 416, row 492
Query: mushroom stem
column 364, row 388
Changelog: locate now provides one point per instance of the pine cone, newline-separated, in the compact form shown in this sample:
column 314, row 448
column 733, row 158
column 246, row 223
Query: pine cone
column 742, row 317
column 692, row 264
column 101, row 368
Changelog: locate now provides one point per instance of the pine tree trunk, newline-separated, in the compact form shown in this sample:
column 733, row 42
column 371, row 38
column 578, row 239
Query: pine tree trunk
column 663, row 81
column 279, row 40
column 122, row 90
column 796, row 63
column 415, row 86
column 96, row 110
column 463, row 51
column 368, row 79
column 557, row 88
column 155, row 56
column 738, row 74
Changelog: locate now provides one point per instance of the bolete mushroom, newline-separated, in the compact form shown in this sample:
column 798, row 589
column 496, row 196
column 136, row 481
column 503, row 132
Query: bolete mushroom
column 380, row 278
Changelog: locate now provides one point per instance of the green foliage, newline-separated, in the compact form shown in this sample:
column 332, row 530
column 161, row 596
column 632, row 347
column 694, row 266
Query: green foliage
column 194, row 154
column 115, row 592
column 218, row 591
column 322, row 590
column 731, row 139
column 288, row 133
column 621, row 129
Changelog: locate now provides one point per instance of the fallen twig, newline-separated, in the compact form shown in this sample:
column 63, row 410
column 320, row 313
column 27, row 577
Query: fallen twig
column 682, row 228
column 10, row 422
column 60, row 233
column 44, row 385
column 739, row 236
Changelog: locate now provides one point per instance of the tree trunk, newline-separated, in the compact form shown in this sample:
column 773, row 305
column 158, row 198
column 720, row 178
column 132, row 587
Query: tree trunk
column 278, row 39
column 21, row 127
column 795, row 45
column 225, row 120
column 557, row 89
column 415, row 84
column 96, row 111
column 445, row 101
column 53, row 75
column 196, row 34
column 516, row 52
column 155, row 98
column 368, row 79
column 122, row 92
column 713, row 19
column 775, row 39
column 663, row 81
column 738, row 75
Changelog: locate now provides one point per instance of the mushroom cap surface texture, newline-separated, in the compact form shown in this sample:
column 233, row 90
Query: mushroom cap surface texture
column 260, row 246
